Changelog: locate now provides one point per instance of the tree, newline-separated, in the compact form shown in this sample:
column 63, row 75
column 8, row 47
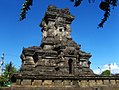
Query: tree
column 9, row 70
column 106, row 73
column 105, row 5
column 2, row 80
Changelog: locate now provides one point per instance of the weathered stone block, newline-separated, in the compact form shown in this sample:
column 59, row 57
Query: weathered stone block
column 99, row 82
column 29, row 60
column 92, row 83
column 37, row 82
column 84, row 83
column 29, row 63
column 67, row 83
column 106, row 82
column 47, row 82
column 18, row 81
column 112, row 82
column 117, row 82
column 26, row 82
column 58, row 82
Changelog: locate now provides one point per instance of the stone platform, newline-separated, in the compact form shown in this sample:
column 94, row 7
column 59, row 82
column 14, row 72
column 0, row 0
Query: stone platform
column 68, row 88
column 64, row 83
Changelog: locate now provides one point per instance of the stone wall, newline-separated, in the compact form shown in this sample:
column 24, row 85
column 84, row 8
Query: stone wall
column 67, row 83
column 68, row 88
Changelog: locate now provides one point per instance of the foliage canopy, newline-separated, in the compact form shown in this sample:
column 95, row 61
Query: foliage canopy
column 106, row 73
column 105, row 5
column 9, row 70
column 7, row 74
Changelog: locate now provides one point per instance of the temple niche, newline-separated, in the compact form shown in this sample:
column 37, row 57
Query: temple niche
column 58, row 55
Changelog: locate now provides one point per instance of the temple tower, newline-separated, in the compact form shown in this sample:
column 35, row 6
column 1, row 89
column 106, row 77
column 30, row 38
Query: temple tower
column 58, row 56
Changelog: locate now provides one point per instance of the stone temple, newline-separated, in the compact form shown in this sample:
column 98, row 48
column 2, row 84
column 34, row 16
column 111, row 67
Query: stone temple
column 58, row 58
column 59, row 63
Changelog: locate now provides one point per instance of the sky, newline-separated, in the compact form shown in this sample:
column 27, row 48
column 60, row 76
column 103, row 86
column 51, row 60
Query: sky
column 103, row 43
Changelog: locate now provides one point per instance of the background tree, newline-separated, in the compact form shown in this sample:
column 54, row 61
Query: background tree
column 2, row 80
column 106, row 73
column 9, row 70
column 105, row 5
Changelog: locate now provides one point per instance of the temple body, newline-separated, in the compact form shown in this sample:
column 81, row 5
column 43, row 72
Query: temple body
column 58, row 55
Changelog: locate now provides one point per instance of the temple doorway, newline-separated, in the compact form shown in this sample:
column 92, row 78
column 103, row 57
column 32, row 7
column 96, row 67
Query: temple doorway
column 70, row 61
